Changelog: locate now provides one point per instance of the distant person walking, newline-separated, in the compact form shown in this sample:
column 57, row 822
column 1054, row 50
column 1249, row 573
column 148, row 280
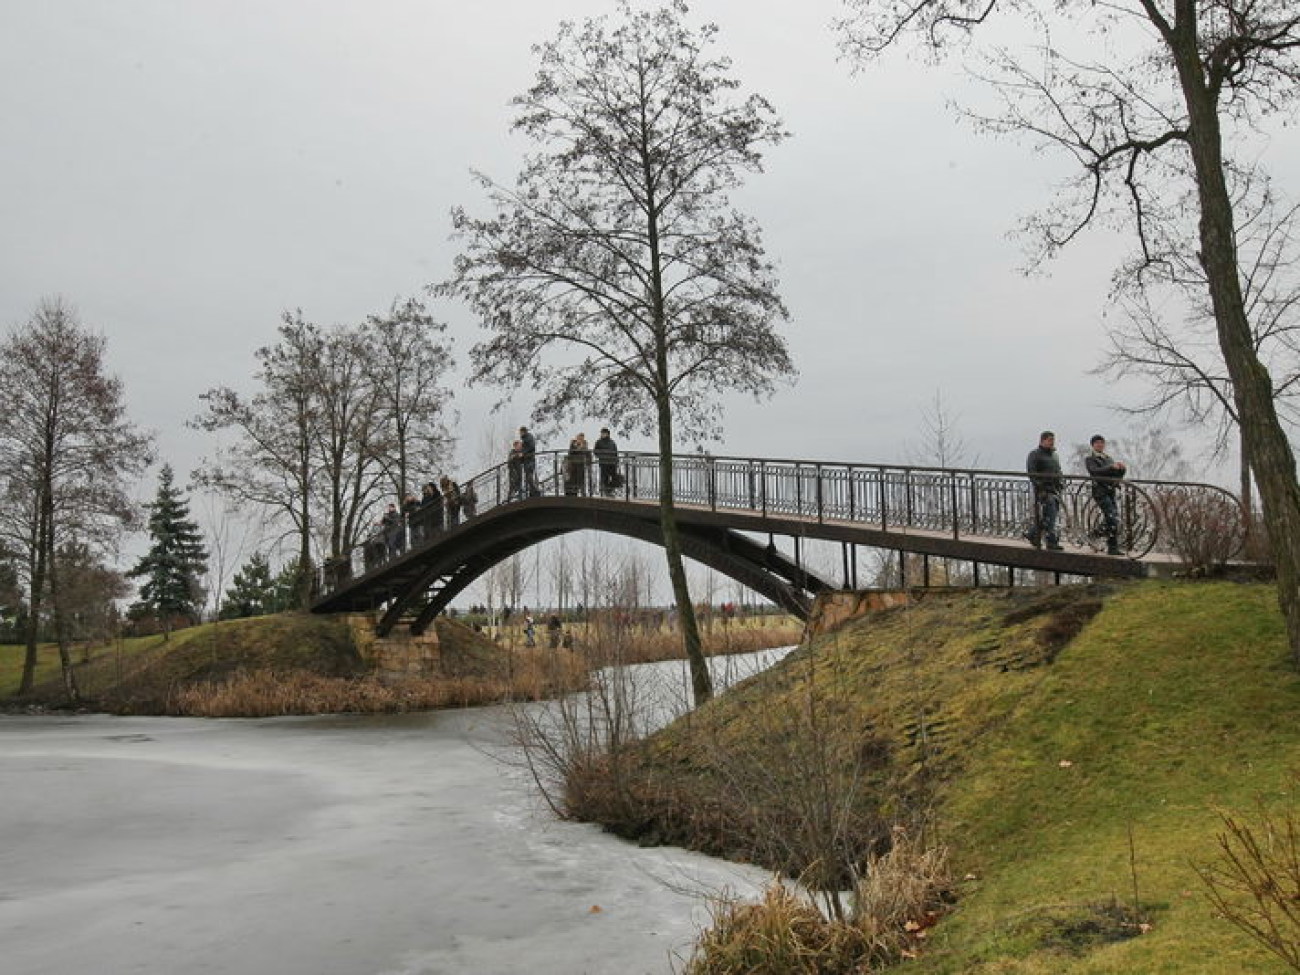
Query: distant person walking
column 1044, row 469
column 606, row 452
column 528, row 454
column 1106, row 474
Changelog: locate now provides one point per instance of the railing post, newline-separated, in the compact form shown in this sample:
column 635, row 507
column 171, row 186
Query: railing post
column 852, row 480
column 884, row 503
column 749, row 475
column 952, row 493
column 798, row 488
column 821, row 517
column 762, row 484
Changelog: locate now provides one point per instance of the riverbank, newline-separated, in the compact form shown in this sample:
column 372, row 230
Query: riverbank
column 295, row 663
column 1073, row 749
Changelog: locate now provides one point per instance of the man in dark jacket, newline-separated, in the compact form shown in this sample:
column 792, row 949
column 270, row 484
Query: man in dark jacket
column 431, row 509
column 1106, row 474
column 515, row 472
column 529, row 455
column 1045, row 474
column 606, row 452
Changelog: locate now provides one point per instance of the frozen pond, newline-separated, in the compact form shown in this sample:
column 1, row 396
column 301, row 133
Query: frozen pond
column 320, row 845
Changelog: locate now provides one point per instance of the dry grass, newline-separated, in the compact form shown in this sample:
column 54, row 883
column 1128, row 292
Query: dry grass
column 265, row 693
column 895, row 904
column 635, row 644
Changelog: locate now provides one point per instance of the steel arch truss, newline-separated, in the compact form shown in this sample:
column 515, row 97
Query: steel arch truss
column 421, row 584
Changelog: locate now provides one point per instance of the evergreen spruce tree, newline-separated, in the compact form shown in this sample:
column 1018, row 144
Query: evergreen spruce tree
column 289, row 585
column 176, row 557
column 252, row 592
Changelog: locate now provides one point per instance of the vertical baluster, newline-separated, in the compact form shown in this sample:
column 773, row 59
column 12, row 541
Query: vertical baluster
column 952, row 497
column 821, row 517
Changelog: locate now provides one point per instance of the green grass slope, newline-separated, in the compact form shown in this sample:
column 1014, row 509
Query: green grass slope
column 1175, row 702
column 1049, row 729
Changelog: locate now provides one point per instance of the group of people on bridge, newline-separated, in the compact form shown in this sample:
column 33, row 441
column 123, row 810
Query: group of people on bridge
column 1044, row 469
column 442, row 504
column 576, row 474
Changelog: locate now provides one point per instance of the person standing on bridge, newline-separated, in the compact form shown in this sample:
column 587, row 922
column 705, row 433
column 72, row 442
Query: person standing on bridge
column 1106, row 474
column 528, row 444
column 451, row 498
column 394, row 535
column 1044, row 469
column 431, row 509
column 468, row 500
column 606, row 452
column 515, row 472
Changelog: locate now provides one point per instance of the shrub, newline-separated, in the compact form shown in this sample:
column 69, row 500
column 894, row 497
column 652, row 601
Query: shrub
column 1254, row 883
column 1203, row 528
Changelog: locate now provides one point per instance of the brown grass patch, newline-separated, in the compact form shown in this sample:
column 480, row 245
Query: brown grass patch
column 265, row 693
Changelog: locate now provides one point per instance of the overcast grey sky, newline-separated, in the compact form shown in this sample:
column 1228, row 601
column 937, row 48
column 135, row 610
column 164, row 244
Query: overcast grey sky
column 184, row 171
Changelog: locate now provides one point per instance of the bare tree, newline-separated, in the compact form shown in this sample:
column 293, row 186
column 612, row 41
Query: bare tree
column 1166, row 334
column 273, row 463
column 229, row 534
column 91, row 591
column 941, row 443
column 348, row 436
column 67, row 455
column 1145, row 113
column 408, row 364
column 615, row 277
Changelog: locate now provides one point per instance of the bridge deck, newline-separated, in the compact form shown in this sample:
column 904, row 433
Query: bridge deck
column 975, row 516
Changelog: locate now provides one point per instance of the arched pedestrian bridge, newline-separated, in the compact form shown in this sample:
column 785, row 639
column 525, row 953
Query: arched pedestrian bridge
column 723, row 502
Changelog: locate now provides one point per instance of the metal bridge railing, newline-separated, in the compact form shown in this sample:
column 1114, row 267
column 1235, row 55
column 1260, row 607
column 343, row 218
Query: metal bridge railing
column 960, row 503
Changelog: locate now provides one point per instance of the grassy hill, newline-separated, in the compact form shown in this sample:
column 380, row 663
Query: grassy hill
column 287, row 663
column 1069, row 744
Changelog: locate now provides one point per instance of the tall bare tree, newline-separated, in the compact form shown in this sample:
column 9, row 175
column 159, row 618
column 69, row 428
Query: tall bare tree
column 68, row 455
column 615, row 277
column 1145, row 109
column 272, row 463
column 1166, row 332
column 408, row 362
column 341, row 414
column 347, row 436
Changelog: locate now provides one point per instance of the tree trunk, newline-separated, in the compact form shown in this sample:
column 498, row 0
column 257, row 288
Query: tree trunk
column 701, row 682
column 35, row 604
column 56, row 602
column 1263, row 437
column 1247, row 495
column 304, row 580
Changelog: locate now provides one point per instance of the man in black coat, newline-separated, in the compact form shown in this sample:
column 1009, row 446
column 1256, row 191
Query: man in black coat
column 1106, row 474
column 1045, row 474
column 606, row 452
column 529, row 455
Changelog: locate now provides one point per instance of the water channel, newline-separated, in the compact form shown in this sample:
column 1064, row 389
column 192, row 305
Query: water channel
column 396, row 845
